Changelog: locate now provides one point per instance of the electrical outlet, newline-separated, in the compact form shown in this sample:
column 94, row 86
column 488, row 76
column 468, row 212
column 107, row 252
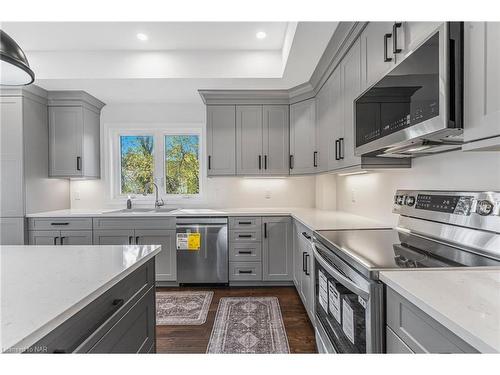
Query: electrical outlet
column 77, row 195
column 267, row 194
column 353, row 196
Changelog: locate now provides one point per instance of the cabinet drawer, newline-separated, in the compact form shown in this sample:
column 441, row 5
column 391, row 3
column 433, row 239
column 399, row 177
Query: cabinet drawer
column 420, row 332
column 245, row 252
column 236, row 236
column 82, row 331
column 134, row 332
column 252, row 223
column 134, row 223
column 59, row 223
column 245, row 271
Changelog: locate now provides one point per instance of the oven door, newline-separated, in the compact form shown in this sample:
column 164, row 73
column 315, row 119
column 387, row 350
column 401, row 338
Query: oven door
column 348, row 307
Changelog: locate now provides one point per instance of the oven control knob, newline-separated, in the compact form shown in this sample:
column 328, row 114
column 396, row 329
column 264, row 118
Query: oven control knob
column 410, row 201
column 484, row 207
column 400, row 199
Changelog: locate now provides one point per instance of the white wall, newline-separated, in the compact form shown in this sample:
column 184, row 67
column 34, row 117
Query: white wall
column 371, row 194
column 218, row 192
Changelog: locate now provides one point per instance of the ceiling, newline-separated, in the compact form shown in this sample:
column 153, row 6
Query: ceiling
column 86, row 36
column 107, row 60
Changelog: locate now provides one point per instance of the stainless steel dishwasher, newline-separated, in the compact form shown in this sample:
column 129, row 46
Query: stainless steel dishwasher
column 202, row 250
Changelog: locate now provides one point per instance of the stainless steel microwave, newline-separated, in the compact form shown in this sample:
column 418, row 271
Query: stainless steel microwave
column 416, row 108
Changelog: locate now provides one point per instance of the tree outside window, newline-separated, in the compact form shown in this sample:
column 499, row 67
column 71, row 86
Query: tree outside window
column 182, row 165
column 136, row 163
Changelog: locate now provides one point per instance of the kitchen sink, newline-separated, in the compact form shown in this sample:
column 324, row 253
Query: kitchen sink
column 138, row 211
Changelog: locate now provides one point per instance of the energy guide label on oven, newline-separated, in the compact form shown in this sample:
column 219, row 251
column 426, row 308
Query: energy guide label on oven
column 188, row 241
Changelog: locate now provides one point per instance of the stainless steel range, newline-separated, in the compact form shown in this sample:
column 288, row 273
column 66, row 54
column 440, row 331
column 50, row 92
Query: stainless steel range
column 435, row 229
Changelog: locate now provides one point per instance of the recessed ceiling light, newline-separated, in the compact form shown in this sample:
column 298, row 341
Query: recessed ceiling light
column 261, row 35
column 141, row 36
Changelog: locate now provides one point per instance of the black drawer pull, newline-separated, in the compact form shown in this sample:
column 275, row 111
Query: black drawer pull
column 244, row 235
column 245, row 271
column 244, row 222
column 59, row 223
column 244, row 252
column 306, row 235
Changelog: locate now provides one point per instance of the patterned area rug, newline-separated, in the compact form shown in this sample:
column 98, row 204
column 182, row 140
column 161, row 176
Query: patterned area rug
column 182, row 308
column 248, row 325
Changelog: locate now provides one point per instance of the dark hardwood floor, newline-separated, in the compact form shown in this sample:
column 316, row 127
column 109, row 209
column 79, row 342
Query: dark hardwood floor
column 194, row 339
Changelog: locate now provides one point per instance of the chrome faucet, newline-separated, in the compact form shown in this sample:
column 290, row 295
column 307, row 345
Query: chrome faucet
column 158, row 201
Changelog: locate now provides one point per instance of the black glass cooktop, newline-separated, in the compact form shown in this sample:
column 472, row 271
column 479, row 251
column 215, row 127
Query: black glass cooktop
column 380, row 249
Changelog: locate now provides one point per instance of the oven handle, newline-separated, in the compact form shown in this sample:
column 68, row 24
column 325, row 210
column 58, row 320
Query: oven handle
column 339, row 277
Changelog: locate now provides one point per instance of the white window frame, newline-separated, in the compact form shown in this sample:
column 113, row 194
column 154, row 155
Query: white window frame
column 158, row 131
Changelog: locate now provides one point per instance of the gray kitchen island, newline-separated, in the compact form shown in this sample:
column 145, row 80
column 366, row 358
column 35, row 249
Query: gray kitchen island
column 78, row 299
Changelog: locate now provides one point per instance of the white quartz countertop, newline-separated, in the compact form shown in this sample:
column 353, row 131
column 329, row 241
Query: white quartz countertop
column 313, row 218
column 467, row 302
column 43, row 286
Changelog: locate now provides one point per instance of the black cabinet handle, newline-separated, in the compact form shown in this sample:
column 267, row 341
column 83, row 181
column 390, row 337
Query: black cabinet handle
column 137, row 240
column 244, row 252
column 337, row 149
column 386, row 37
column 265, row 161
column 265, row 230
column 209, row 162
column 78, row 163
column 290, row 161
column 55, row 240
column 118, row 302
column 395, row 28
column 304, row 261
column 315, row 159
column 61, row 241
column 341, row 149
column 244, row 271
column 307, row 263
column 65, row 223
column 244, row 235
column 130, row 239
column 260, row 162
column 306, row 235
column 244, row 222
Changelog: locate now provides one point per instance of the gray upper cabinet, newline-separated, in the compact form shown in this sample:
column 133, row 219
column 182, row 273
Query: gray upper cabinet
column 376, row 60
column 74, row 134
column 303, row 137
column 351, row 89
column 277, row 249
column 249, row 155
column 221, row 140
column 409, row 35
column 482, row 86
column 325, row 125
column 262, row 140
column 276, row 139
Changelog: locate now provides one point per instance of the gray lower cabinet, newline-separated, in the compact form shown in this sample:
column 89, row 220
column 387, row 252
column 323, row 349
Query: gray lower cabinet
column 417, row 331
column 277, row 261
column 114, row 237
column 166, row 260
column 142, row 231
column 75, row 237
column 245, row 271
column 121, row 320
column 245, row 249
column 221, row 140
column 394, row 345
column 303, row 266
column 43, row 237
column 48, row 234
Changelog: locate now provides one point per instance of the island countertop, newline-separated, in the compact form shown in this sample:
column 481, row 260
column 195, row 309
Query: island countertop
column 467, row 301
column 43, row 286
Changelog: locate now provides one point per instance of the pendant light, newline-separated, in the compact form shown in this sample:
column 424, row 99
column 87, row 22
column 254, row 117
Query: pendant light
column 14, row 67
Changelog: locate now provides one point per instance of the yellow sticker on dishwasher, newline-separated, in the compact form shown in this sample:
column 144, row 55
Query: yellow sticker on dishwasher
column 194, row 241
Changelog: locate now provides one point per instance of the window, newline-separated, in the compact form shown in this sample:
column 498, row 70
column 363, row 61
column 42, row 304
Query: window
column 136, row 163
column 170, row 158
column 182, row 164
